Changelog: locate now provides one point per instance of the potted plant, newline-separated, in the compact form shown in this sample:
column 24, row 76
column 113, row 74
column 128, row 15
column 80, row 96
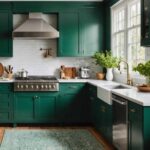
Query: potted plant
column 144, row 69
column 107, row 61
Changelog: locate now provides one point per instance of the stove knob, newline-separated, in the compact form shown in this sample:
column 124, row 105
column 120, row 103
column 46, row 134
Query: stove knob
column 21, row 86
column 42, row 86
column 32, row 86
column 46, row 86
column 18, row 86
column 50, row 86
column 37, row 86
column 27, row 86
column 53, row 86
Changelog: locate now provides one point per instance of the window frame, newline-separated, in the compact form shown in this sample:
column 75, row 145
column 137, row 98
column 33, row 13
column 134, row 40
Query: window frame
column 119, row 5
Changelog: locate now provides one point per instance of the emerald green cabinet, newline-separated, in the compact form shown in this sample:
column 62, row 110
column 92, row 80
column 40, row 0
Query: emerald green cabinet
column 145, row 23
column 6, row 103
column 5, row 33
column 135, row 129
column 101, row 115
column 81, row 32
column 72, row 105
column 69, row 34
column 34, row 107
column 91, row 31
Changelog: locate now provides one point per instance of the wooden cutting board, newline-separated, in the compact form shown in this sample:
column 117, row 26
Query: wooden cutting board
column 68, row 72
column 1, row 69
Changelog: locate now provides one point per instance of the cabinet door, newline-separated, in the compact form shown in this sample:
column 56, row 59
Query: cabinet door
column 5, row 33
column 135, row 127
column 91, row 32
column 24, row 107
column 145, row 23
column 69, row 108
column 69, row 33
column 45, row 108
column 6, row 107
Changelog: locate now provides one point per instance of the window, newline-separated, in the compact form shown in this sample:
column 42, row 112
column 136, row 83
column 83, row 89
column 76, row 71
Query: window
column 126, row 32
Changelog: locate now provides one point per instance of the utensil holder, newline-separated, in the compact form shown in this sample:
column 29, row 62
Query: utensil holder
column 10, row 76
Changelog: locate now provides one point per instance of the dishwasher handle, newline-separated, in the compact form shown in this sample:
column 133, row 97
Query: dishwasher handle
column 119, row 101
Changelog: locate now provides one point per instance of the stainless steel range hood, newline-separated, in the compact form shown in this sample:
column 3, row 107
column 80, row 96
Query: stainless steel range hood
column 35, row 28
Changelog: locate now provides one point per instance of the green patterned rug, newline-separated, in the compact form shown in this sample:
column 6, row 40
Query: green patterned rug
column 52, row 139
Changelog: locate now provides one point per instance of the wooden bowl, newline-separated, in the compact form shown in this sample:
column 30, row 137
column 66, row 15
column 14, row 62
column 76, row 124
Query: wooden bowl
column 144, row 88
column 100, row 75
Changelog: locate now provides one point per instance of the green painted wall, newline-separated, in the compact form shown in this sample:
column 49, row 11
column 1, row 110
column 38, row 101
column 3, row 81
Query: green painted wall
column 108, row 4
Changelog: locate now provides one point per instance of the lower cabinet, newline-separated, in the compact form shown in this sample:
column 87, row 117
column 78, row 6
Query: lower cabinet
column 6, row 103
column 72, row 105
column 34, row 107
column 135, row 128
column 101, row 114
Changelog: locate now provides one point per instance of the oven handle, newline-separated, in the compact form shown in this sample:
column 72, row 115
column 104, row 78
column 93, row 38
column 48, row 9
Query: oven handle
column 118, row 101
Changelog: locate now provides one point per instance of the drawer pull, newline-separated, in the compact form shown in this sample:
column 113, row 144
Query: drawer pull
column 132, row 110
column 72, row 87
column 103, row 109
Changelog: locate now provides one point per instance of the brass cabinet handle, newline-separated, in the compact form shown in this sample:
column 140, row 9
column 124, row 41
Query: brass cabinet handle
column 72, row 87
column 103, row 108
column 132, row 110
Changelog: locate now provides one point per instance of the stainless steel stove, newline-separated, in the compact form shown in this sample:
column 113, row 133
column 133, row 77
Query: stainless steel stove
column 36, row 83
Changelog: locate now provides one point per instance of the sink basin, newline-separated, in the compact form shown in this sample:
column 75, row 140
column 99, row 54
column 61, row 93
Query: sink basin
column 116, row 87
column 104, row 92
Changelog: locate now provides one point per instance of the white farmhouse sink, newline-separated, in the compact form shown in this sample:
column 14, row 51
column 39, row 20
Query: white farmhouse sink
column 104, row 92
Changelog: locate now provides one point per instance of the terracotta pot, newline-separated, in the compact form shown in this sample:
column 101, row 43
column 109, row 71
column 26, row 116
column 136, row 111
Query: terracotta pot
column 100, row 75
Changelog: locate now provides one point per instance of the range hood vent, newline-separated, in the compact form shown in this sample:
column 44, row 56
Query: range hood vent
column 35, row 28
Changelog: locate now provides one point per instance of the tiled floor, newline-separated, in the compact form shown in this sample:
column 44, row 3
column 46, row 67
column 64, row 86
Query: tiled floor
column 98, row 137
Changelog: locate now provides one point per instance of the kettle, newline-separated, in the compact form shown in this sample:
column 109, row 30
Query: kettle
column 23, row 73
column 84, row 72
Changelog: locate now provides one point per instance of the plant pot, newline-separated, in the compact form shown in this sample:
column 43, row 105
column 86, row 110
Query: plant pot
column 100, row 75
column 109, row 74
column 144, row 88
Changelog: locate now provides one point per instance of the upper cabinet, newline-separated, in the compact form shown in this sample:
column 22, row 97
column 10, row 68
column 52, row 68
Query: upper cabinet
column 81, row 32
column 5, row 32
column 145, row 23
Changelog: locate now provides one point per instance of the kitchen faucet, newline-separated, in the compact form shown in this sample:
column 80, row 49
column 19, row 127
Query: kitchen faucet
column 129, row 81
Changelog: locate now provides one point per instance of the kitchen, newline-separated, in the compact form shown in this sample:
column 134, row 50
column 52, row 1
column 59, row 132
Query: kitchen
column 79, row 108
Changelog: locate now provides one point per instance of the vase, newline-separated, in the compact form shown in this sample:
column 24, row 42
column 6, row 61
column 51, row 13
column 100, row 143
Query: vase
column 109, row 74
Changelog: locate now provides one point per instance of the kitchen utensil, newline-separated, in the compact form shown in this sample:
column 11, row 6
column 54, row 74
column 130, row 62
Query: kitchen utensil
column 84, row 72
column 1, row 69
column 23, row 73
column 67, row 72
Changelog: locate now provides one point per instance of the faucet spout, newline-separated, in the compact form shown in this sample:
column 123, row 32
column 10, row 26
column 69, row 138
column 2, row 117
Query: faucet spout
column 129, row 81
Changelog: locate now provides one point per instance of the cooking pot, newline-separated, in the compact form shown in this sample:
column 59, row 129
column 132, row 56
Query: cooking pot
column 23, row 74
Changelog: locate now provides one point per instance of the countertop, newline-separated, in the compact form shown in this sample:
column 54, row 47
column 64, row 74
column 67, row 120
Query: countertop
column 131, row 94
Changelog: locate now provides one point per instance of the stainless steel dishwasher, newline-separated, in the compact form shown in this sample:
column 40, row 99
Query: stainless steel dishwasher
column 120, row 122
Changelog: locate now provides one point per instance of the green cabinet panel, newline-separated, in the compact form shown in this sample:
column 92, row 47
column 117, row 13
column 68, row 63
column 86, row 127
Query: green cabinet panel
column 146, row 126
column 34, row 107
column 6, row 103
column 145, row 23
column 45, row 106
column 91, row 31
column 72, row 105
column 24, row 107
column 135, row 134
column 5, row 33
column 69, row 33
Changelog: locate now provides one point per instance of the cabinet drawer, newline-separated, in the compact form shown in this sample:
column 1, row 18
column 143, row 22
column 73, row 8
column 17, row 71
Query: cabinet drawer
column 5, row 87
column 71, row 88
column 4, row 105
column 4, row 97
column 4, row 116
column 135, row 109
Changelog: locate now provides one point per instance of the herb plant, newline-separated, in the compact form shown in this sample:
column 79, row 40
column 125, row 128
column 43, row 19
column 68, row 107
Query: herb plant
column 106, row 59
column 143, row 69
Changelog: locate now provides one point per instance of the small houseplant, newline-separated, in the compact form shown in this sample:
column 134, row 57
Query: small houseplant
column 108, row 61
column 144, row 69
